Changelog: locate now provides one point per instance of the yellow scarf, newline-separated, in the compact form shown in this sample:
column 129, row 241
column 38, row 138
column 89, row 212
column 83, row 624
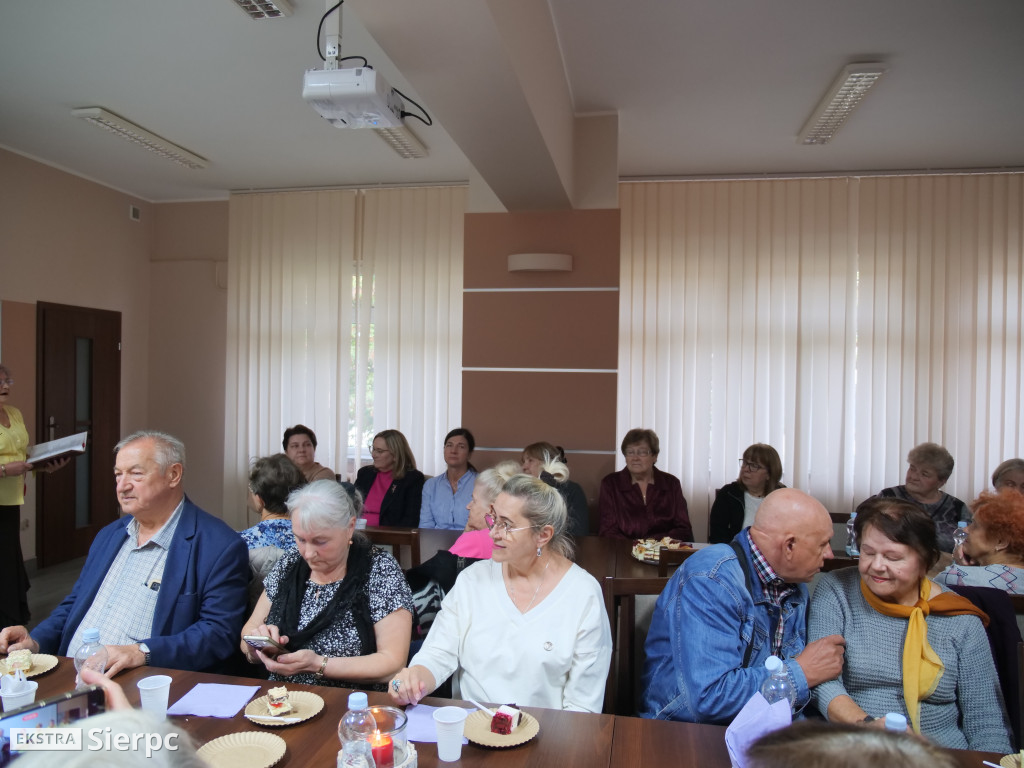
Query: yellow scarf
column 922, row 667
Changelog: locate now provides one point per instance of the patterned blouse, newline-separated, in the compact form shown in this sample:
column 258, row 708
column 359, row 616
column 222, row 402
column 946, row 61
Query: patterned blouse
column 387, row 589
column 276, row 532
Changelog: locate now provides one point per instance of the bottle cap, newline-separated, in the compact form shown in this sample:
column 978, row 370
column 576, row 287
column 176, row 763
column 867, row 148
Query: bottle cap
column 773, row 664
column 91, row 635
column 962, row 524
column 358, row 700
column 853, row 516
column 894, row 721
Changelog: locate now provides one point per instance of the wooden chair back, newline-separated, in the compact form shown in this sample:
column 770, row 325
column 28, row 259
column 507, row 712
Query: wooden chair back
column 620, row 602
column 398, row 539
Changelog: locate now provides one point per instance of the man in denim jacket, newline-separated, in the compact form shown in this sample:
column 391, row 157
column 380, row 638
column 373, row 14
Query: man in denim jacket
column 717, row 621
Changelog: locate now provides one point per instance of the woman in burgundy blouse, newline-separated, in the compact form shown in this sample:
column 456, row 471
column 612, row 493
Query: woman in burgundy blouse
column 641, row 501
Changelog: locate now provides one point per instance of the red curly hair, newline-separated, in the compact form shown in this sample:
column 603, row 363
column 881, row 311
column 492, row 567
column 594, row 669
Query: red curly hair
column 1002, row 515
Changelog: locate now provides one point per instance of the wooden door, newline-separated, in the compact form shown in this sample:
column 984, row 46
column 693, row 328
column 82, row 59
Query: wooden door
column 79, row 390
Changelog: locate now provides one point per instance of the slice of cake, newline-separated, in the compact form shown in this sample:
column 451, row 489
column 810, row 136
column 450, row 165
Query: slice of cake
column 19, row 660
column 277, row 701
column 506, row 719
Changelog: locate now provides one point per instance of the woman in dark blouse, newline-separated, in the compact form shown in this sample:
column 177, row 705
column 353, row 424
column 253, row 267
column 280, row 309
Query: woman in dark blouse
column 641, row 501
column 392, row 487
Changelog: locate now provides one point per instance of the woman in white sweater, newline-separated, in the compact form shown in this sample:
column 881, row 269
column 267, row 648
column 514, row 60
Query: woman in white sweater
column 528, row 626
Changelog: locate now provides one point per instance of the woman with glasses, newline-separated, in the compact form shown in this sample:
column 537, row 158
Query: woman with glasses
column 736, row 503
column 391, row 487
column 527, row 626
column 640, row 501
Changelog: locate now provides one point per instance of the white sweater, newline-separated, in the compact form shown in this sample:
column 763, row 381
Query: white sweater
column 555, row 656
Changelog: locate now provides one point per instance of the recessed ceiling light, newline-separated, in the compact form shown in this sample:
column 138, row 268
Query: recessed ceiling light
column 265, row 9
column 842, row 98
column 139, row 135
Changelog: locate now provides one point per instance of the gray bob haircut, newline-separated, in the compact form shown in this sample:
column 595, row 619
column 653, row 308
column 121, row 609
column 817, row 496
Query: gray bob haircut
column 321, row 504
column 543, row 505
column 169, row 449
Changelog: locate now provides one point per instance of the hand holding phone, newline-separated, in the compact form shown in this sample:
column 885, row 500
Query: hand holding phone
column 265, row 643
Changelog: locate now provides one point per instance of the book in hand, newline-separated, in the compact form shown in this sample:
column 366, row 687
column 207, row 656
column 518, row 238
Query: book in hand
column 55, row 449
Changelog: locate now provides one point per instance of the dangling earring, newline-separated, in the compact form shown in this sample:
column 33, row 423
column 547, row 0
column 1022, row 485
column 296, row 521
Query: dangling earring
column 538, row 551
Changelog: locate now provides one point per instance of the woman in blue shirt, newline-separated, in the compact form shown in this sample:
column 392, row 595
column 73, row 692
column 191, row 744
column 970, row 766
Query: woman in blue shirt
column 445, row 496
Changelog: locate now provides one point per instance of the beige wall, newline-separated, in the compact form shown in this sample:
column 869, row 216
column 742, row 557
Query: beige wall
column 558, row 329
column 67, row 240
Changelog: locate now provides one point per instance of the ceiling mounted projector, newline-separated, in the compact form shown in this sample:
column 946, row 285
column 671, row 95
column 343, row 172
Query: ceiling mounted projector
column 357, row 97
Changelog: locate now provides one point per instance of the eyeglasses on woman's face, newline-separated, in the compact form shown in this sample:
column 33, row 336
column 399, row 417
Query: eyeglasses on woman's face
column 750, row 466
column 641, row 453
column 505, row 529
column 377, row 451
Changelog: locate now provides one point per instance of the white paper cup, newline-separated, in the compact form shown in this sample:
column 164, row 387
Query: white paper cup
column 153, row 693
column 450, row 722
column 25, row 696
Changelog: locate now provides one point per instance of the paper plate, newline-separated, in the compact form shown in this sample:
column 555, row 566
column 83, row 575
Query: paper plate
column 41, row 662
column 478, row 730
column 1010, row 761
column 252, row 749
column 647, row 550
column 304, row 706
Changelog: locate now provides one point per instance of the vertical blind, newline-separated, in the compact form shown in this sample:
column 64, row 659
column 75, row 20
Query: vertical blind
column 344, row 314
column 843, row 321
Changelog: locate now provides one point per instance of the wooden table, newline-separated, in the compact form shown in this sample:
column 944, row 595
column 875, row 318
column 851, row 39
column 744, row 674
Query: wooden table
column 566, row 740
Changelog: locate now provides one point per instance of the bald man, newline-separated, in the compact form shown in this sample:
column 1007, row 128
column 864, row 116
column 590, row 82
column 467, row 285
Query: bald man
column 731, row 606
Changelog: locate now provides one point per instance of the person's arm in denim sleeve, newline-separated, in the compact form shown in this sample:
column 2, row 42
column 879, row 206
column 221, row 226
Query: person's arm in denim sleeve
column 708, row 646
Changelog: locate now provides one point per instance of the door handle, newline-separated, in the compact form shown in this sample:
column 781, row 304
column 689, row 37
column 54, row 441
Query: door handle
column 53, row 428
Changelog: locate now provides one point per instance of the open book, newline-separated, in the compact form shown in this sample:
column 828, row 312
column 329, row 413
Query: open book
column 54, row 449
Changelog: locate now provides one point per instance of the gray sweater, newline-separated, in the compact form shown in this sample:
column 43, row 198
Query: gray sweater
column 872, row 669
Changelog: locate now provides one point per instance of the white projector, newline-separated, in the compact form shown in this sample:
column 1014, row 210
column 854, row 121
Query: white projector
column 357, row 97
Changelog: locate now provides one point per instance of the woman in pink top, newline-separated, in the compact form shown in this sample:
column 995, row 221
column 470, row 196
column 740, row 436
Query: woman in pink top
column 392, row 487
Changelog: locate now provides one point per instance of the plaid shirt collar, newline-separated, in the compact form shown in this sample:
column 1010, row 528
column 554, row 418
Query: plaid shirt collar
column 773, row 584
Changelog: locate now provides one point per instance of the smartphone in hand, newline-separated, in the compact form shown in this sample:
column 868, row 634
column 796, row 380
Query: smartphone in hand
column 268, row 645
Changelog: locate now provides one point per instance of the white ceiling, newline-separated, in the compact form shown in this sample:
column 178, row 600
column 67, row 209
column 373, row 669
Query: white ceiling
column 700, row 87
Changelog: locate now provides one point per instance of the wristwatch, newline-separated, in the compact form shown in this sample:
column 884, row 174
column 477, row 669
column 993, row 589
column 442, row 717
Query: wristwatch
column 869, row 719
column 145, row 649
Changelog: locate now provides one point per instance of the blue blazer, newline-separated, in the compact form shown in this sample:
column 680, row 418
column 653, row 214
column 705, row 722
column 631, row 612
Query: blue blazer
column 201, row 605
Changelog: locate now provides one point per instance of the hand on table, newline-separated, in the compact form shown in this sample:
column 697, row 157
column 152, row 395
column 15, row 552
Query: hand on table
column 15, row 638
column 413, row 683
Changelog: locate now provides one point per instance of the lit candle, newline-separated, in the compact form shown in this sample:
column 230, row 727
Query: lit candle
column 383, row 750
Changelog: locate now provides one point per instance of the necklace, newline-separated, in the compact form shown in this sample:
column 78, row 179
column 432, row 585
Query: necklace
column 512, row 591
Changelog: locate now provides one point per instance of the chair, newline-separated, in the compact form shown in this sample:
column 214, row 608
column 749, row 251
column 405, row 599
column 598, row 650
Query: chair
column 620, row 602
column 671, row 558
column 397, row 538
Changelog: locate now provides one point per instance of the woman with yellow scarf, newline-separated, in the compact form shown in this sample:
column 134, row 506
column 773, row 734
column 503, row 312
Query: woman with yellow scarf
column 911, row 646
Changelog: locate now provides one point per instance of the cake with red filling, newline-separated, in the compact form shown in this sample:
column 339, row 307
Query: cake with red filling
column 506, row 719
column 277, row 701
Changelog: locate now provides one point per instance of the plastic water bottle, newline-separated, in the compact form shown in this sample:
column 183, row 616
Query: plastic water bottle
column 851, row 536
column 777, row 687
column 355, row 730
column 894, row 721
column 90, row 654
column 959, row 535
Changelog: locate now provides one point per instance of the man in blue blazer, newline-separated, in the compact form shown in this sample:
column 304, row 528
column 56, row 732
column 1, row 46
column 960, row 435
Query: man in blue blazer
column 165, row 584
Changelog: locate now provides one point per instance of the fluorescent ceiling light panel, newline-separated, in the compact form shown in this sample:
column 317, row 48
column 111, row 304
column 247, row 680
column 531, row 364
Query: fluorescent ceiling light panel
column 842, row 98
column 403, row 141
column 265, row 9
column 138, row 135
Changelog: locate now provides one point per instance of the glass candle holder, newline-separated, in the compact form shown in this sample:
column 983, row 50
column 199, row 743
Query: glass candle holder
column 390, row 745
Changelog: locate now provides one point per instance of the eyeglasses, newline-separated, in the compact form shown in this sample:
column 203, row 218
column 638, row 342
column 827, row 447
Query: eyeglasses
column 491, row 520
column 750, row 466
column 7, row 382
column 377, row 451
column 641, row 453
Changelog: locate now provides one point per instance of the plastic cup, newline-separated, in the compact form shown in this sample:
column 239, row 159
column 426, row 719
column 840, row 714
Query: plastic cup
column 26, row 694
column 153, row 693
column 450, row 722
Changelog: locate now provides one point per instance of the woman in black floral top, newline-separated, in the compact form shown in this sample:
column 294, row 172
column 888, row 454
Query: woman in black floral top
column 341, row 607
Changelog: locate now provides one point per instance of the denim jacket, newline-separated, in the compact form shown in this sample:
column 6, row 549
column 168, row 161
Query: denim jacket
column 703, row 623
